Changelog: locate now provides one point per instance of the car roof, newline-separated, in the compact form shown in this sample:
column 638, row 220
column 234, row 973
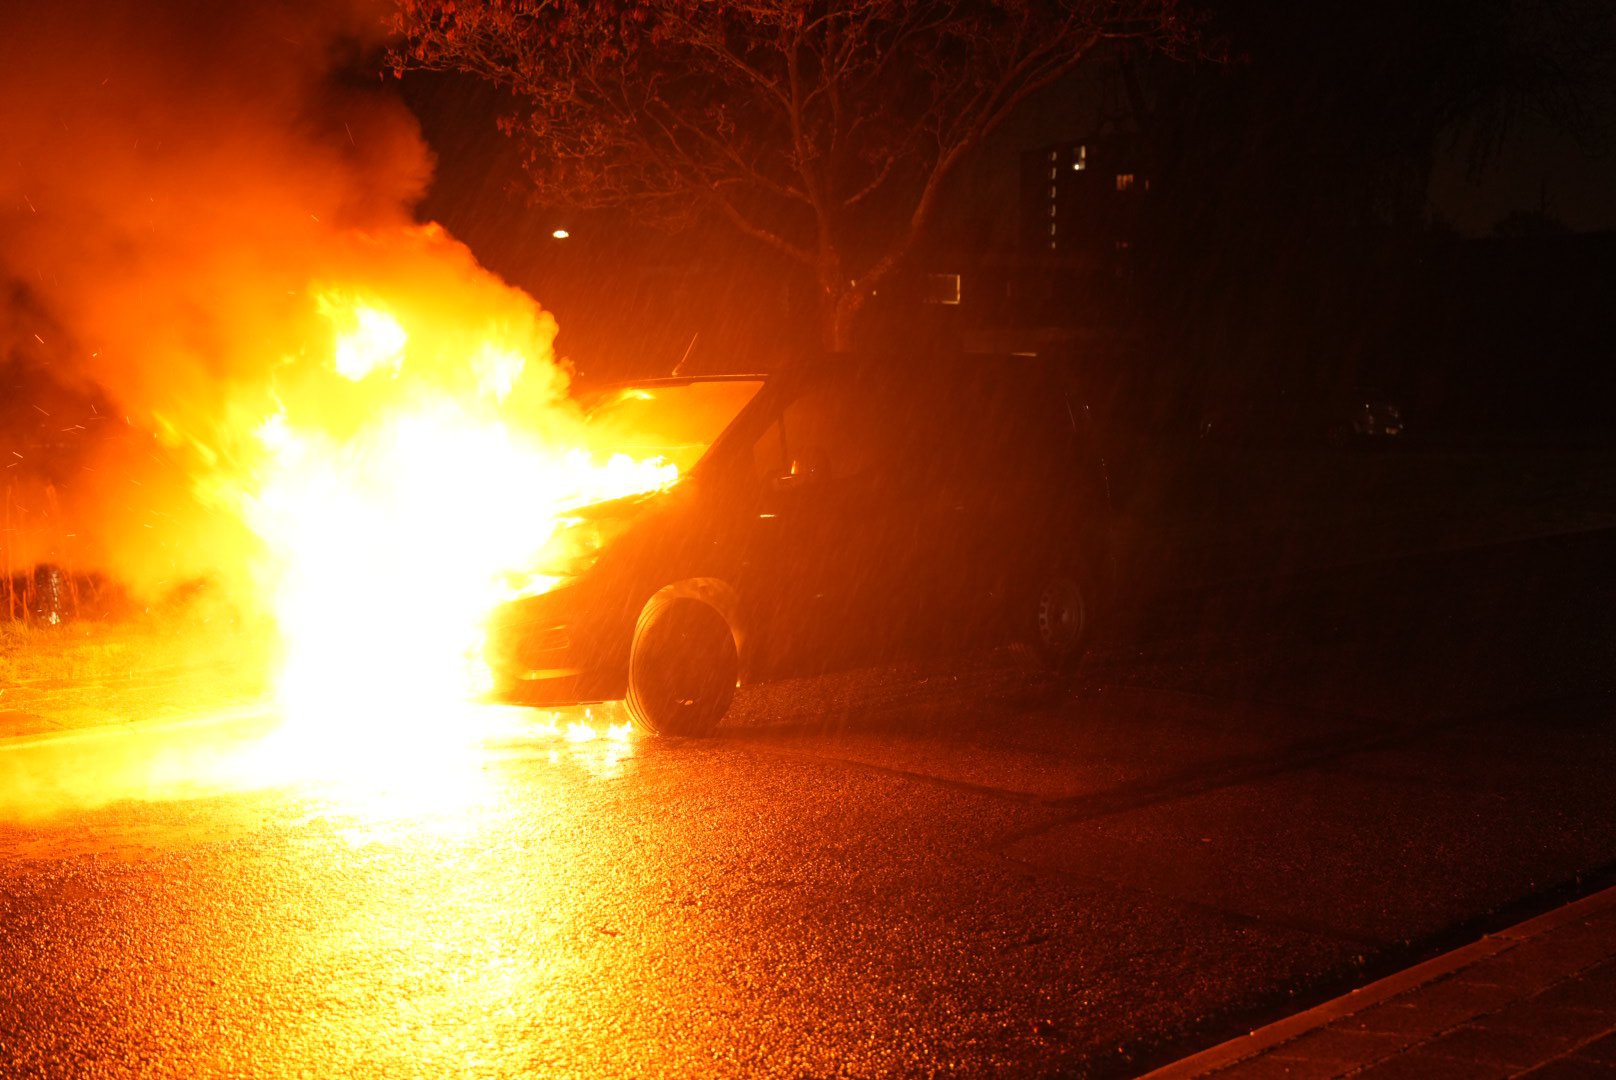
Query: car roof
column 933, row 368
column 666, row 380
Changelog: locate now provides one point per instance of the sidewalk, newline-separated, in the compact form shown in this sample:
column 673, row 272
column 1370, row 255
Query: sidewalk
column 1537, row 1000
column 1234, row 516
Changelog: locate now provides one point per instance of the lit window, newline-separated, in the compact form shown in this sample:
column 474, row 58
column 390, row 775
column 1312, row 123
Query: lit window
column 1052, row 210
column 1052, row 172
column 1052, row 245
column 1054, row 155
column 1051, row 228
column 1080, row 158
column 1051, row 191
column 1124, row 181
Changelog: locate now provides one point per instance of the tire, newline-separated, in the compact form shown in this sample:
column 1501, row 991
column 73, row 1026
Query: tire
column 682, row 668
column 1057, row 610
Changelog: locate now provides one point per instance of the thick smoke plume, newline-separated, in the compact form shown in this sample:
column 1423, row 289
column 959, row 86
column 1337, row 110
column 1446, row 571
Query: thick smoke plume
column 183, row 188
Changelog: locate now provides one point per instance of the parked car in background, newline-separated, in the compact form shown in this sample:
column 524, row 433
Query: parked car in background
column 1369, row 417
column 831, row 515
column 1298, row 420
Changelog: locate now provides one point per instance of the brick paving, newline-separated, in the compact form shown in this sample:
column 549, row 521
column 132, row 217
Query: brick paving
column 1537, row 1000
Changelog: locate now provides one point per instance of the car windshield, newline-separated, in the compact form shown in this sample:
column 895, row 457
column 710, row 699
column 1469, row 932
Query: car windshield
column 675, row 421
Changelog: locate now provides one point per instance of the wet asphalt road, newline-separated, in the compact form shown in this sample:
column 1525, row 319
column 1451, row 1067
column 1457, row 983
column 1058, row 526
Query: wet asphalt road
column 1254, row 795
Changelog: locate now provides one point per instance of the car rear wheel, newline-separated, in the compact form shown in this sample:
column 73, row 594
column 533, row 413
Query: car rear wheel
column 682, row 668
column 1056, row 615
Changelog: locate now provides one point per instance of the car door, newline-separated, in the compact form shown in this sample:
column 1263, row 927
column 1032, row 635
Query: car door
column 1005, row 481
column 833, row 542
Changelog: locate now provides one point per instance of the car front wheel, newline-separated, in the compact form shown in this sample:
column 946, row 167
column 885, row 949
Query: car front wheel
column 1056, row 617
column 682, row 668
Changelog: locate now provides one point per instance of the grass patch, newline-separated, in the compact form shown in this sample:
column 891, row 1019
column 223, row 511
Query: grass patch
column 98, row 651
column 172, row 660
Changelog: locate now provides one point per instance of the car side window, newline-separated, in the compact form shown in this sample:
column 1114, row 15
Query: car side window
column 769, row 459
column 897, row 436
column 815, row 435
column 798, row 443
column 825, row 433
column 1016, row 430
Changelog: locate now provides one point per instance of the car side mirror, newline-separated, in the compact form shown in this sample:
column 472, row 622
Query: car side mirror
column 807, row 468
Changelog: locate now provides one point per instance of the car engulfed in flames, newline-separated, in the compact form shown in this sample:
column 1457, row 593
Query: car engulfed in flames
column 397, row 482
column 826, row 515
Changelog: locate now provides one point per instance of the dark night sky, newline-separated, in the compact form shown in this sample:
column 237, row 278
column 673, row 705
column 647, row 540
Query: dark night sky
column 1538, row 168
column 479, row 192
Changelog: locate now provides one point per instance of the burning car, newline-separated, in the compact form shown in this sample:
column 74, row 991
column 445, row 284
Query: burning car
column 821, row 516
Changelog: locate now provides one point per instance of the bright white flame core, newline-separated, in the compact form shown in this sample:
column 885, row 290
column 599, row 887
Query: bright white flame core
column 389, row 541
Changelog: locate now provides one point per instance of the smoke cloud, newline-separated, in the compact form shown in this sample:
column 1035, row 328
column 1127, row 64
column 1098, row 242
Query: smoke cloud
column 180, row 186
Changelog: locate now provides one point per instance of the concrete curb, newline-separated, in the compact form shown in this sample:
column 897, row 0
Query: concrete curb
column 1244, row 1047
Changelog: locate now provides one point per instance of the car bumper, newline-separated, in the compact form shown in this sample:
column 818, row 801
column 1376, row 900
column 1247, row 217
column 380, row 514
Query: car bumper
column 563, row 647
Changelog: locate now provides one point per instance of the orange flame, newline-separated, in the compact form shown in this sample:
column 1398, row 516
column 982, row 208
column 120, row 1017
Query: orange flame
column 396, row 496
column 288, row 388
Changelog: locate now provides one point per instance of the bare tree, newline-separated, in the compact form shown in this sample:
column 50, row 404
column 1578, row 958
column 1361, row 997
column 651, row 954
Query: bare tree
column 825, row 130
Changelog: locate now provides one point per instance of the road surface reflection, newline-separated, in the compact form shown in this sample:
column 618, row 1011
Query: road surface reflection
column 431, row 774
column 415, row 907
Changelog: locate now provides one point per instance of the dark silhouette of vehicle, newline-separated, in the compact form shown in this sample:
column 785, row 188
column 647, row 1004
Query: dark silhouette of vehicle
column 1372, row 419
column 832, row 516
column 1288, row 419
